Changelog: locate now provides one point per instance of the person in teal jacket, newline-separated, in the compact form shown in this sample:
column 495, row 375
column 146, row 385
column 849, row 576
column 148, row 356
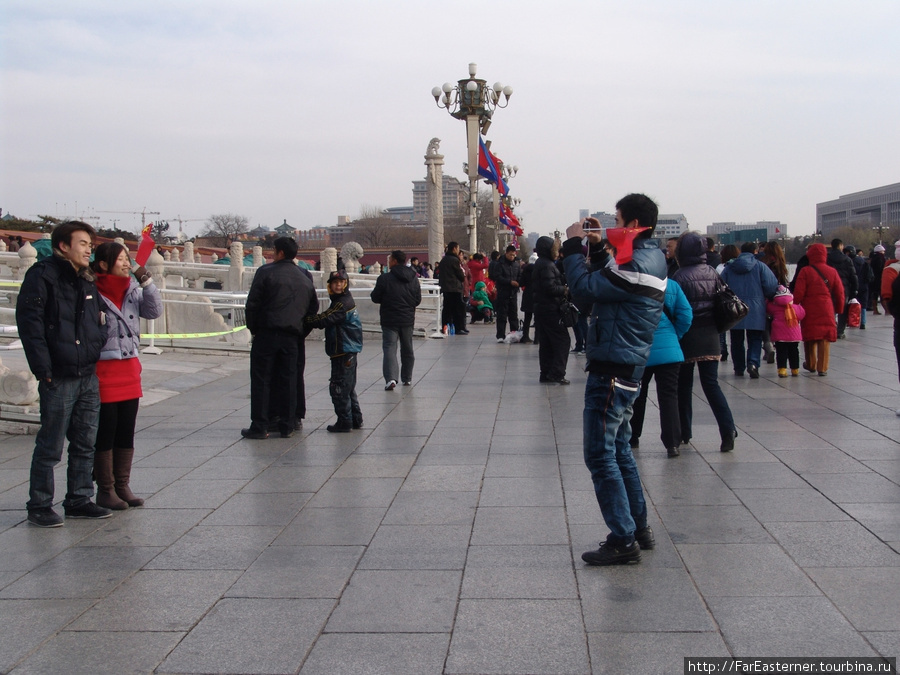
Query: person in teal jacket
column 664, row 363
column 480, row 306
column 343, row 342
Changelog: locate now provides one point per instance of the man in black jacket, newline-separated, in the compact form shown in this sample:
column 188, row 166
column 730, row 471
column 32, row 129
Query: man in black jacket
column 280, row 297
column 62, row 328
column 452, row 281
column 505, row 275
column 398, row 292
column 847, row 272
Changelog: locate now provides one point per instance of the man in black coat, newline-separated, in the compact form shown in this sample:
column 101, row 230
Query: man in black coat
column 549, row 293
column 505, row 275
column 452, row 281
column 399, row 293
column 847, row 272
column 280, row 297
column 713, row 257
column 62, row 327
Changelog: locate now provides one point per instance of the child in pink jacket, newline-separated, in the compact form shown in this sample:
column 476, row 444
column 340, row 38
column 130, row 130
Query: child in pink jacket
column 786, row 334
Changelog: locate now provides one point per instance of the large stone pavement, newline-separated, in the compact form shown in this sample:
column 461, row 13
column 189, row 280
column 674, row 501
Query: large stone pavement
column 445, row 537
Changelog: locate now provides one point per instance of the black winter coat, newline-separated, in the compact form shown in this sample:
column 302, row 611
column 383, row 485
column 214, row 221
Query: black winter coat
column 549, row 288
column 699, row 282
column 58, row 316
column 503, row 273
column 398, row 292
column 452, row 278
column 846, row 271
column 280, row 297
column 864, row 277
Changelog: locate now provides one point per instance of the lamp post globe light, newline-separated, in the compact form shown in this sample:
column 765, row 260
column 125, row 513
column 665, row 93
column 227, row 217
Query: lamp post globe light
column 474, row 101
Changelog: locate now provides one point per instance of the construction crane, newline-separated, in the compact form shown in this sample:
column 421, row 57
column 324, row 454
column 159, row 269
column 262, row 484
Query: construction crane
column 143, row 214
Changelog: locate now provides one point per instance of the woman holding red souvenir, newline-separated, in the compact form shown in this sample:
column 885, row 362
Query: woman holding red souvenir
column 127, row 300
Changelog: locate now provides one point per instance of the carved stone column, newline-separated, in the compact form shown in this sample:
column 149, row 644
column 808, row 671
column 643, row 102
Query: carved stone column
column 434, row 191
column 236, row 269
column 328, row 261
column 258, row 259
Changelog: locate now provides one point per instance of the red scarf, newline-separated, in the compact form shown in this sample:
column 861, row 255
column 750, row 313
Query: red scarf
column 113, row 287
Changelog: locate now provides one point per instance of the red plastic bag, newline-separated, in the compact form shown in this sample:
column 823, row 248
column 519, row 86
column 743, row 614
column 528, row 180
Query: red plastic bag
column 854, row 312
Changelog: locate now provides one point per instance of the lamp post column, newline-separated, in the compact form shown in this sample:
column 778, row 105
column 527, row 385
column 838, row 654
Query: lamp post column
column 472, row 137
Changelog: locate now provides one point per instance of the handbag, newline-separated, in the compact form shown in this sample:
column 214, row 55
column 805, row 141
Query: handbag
column 728, row 308
column 569, row 314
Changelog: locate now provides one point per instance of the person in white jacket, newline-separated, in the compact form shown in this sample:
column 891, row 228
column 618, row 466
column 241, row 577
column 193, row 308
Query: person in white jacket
column 127, row 299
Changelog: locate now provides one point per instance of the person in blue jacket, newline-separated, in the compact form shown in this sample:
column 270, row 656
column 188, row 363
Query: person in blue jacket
column 664, row 364
column 628, row 302
column 754, row 283
column 343, row 342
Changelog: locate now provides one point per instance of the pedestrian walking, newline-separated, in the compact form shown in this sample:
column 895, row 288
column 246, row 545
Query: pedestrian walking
column 398, row 293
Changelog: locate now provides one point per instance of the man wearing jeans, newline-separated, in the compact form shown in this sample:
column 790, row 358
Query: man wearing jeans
column 398, row 292
column 628, row 302
column 62, row 328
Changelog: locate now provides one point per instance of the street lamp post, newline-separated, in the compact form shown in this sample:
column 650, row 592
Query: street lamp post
column 879, row 227
column 474, row 101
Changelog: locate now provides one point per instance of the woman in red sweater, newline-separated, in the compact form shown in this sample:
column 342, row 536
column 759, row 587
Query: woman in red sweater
column 126, row 301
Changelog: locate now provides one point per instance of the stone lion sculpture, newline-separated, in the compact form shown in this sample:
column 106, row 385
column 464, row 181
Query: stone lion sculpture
column 351, row 252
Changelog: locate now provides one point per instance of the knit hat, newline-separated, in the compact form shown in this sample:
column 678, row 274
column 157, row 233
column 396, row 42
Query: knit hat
column 782, row 291
column 879, row 249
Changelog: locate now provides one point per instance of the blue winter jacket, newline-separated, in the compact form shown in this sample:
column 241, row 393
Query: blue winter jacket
column 666, row 347
column 627, row 301
column 754, row 283
column 343, row 329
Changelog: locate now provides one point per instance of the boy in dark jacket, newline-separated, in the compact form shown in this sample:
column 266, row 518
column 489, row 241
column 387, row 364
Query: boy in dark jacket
column 63, row 330
column 343, row 341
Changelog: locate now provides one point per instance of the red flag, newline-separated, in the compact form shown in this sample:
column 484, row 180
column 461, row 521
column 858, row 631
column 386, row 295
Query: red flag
column 146, row 246
column 623, row 239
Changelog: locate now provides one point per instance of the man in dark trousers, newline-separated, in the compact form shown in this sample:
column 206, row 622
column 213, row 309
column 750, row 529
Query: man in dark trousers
column 505, row 275
column 62, row 328
column 398, row 292
column 280, row 297
column 452, row 280
column 847, row 272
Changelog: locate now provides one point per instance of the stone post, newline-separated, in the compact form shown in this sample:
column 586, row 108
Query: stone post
column 434, row 190
column 188, row 251
column 236, row 269
column 258, row 259
column 27, row 258
column 328, row 262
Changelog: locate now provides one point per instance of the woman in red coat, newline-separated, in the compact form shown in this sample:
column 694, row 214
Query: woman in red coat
column 820, row 292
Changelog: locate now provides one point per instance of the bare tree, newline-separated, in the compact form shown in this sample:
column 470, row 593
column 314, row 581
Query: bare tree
column 223, row 229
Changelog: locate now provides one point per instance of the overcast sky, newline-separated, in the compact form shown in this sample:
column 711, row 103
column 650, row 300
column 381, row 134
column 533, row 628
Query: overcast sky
column 307, row 110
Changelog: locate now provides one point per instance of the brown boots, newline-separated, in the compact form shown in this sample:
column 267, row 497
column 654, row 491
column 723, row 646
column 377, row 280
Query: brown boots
column 112, row 470
column 103, row 473
column 122, row 458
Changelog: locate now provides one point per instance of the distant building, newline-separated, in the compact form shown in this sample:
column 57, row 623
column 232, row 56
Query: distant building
column 285, row 230
column 738, row 233
column 401, row 214
column 670, row 225
column 259, row 233
column 606, row 219
column 455, row 197
column 868, row 208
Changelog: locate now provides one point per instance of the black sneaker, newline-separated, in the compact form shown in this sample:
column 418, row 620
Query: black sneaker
column 88, row 510
column 753, row 371
column 357, row 424
column 644, row 538
column 254, row 433
column 45, row 518
column 609, row 554
column 339, row 428
column 673, row 451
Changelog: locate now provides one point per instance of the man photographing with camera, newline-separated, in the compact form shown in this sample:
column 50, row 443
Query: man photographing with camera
column 628, row 301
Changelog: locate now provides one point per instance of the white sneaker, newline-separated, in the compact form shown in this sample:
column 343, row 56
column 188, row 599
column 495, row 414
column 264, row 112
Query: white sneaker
column 390, row 385
column 501, row 341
